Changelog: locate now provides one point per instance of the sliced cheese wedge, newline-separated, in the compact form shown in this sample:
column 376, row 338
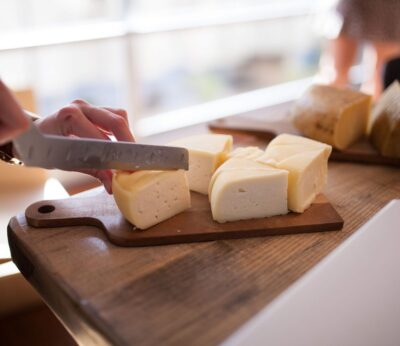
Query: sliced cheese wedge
column 307, row 163
column 147, row 198
column 332, row 115
column 206, row 154
column 243, row 189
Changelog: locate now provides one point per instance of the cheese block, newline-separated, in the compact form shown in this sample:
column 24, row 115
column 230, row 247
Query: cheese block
column 233, row 165
column 206, row 154
column 146, row 198
column 243, row 189
column 332, row 115
column 306, row 161
column 385, row 132
column 251, row 153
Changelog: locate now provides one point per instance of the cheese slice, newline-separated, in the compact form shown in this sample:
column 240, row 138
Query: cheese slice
column 332, row 115
column 307, row 163
column 206, row 154
column 243, row 189
column 146, row 198
column 234, row 164
column 385, row 133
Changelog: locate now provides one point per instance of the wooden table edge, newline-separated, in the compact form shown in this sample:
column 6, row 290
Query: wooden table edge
column 57, row 296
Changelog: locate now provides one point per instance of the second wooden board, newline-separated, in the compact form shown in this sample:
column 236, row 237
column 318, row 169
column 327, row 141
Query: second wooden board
column 193, row 225
column 361, row 152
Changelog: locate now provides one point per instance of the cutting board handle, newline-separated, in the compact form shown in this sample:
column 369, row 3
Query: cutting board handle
column 62, row 212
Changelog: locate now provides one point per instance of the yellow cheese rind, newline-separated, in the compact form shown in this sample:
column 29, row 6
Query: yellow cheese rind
column 385, row 133
column 332, row 115
column 307, row 163
column 146, row 198
column 206, row 154
column 242, row 189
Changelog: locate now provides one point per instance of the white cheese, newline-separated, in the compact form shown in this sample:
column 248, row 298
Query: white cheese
column 243, row 189
column 250, row 153
column 146, row 198
column 206, row 154
column 307, row 163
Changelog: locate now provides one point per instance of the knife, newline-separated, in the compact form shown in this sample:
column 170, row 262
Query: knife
column 49, row 151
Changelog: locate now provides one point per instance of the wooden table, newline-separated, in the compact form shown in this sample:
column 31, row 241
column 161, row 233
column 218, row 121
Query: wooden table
column 15, row 293
column 191, row 294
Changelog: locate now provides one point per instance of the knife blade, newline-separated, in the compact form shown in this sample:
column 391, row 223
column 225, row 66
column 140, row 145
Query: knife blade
column 49, row 151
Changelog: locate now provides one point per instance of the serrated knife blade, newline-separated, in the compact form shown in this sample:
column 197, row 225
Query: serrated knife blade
column 48, row 151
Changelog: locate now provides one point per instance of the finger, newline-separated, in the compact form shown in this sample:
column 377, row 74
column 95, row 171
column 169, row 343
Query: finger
column 72, row 121
column 7, row 133
column 109, row 121
column 104, row 176
column 119, row 111
column 12, row 118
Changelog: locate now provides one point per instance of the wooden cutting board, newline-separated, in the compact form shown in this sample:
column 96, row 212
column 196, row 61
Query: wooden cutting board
column 361, row 152
column 193, row 225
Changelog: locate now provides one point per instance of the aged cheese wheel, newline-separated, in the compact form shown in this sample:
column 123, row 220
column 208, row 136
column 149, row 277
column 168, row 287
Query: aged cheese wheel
column 385, row 132
column 306, row 161
column 206, row 153
column 332, row 115
column 146, row 198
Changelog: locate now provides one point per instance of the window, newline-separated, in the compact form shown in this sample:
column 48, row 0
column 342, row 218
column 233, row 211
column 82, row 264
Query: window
column 153, row 56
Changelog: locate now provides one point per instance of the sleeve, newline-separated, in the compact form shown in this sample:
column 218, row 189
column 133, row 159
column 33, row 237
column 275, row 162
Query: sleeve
column 6, row 150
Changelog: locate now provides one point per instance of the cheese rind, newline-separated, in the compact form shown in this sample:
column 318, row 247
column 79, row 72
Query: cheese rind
column 307, row 163
column 206, row 154
column 243, row 189
column 332, row 115
column 147, row 198
column 385, row 133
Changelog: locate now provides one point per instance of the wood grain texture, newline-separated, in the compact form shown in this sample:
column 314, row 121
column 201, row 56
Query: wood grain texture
column 187, row 294
column 192, row 225
column 361, row 152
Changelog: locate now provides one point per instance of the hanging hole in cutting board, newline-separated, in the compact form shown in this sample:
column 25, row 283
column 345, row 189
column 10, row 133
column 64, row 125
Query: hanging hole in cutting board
column 46, row 209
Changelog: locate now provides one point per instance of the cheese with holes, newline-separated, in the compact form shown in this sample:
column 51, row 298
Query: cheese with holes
column 146, row 198
column 306, row 161
column 332, row 115
column 385, row 132
column 243, row 189
column 206, row 154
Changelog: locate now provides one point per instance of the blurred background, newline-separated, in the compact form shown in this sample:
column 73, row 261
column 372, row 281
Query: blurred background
column 153, row 56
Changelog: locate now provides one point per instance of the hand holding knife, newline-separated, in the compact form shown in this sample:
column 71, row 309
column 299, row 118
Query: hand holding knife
column 49, row 151
column 48, row 142
column 95, row 156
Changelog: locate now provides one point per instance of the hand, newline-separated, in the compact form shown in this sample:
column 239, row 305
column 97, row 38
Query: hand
column 81, row 119
column 13, row 121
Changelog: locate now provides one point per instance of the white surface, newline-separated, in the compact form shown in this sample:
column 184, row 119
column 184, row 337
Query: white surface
column 352, row 297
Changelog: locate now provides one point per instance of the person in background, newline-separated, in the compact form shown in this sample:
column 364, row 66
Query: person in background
column 391, row 72
column 79, row 119
column 365, row 21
